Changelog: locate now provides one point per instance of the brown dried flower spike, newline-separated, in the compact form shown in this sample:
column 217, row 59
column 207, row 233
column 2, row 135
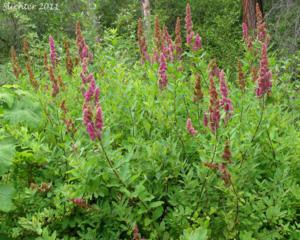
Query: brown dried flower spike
column 198, row 94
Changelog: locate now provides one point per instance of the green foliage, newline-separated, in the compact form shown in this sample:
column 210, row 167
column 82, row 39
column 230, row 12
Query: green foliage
column 147, row 170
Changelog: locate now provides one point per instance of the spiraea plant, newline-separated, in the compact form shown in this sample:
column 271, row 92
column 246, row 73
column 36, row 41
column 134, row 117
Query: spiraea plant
column 165, row 145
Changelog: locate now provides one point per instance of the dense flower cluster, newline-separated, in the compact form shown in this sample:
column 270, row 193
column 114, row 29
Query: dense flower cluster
column 191, row 40
column 142, row 42
column 225, row 101
column 92, row 110
column 52, row 51
column 214, row 107
column 260, row 25
column 178, row 39
column 215, row 103
column 265, row 75
column 168, row 48
column 227, row 153
column 198, row 94
column 163, row 81
column 69, row 62
column 246, row 36
column 188, row 24
column 189, row 126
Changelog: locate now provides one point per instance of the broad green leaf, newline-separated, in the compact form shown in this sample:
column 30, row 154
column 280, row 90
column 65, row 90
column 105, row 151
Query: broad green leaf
column 7, row 152
column 197, row 234
column 27, row 117
column 6, row 196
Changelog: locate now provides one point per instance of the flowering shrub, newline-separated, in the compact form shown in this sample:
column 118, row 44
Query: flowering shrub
column 186, row 152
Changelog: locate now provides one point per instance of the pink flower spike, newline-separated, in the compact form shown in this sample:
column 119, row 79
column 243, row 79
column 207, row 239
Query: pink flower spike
column 84, row 52
column 91, row 91
column 52, row 51
column 223, row 86
column 190, row 128
column 197, row 44
column 97, row 94
column 265, row 75
column 205, row 120
column 188, row 21
column 163, row 81
column 91, row 130
column 189, row 38
column 99, row 118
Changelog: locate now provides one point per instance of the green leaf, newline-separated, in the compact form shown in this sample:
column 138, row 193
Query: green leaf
column 6, row 195
column 156, row 204
column 27, row 117
column 197, row 234
column 157, row 213
column 7, row 99
column 7, row 152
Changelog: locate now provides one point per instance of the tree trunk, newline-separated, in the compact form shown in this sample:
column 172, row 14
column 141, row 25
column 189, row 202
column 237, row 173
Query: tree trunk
column 249, row 12
column 146, row 14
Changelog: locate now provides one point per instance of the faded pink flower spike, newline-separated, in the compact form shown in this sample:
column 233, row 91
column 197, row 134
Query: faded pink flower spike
column 52, row 51
column 214, row 108
column 246, row 37
column 97, row 94
column 190, row 128
column 198, row 43
column 223, row 86
column 265, row 75
column 91, row 91
column 225, row 101
column 163, row 81
column 188, row 24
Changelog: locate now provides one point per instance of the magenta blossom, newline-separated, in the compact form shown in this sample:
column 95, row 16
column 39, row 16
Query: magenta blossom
column 91, row 130
column 90, row 92
column 99, row 119
column 197, row 44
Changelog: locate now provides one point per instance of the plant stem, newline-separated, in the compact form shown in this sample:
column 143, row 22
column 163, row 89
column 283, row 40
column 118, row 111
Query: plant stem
column 111, row 165
column 256, row 130
column 116, row 172
column 205, row 179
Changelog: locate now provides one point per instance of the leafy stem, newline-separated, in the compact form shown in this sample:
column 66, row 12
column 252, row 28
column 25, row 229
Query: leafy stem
column 256, row 130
